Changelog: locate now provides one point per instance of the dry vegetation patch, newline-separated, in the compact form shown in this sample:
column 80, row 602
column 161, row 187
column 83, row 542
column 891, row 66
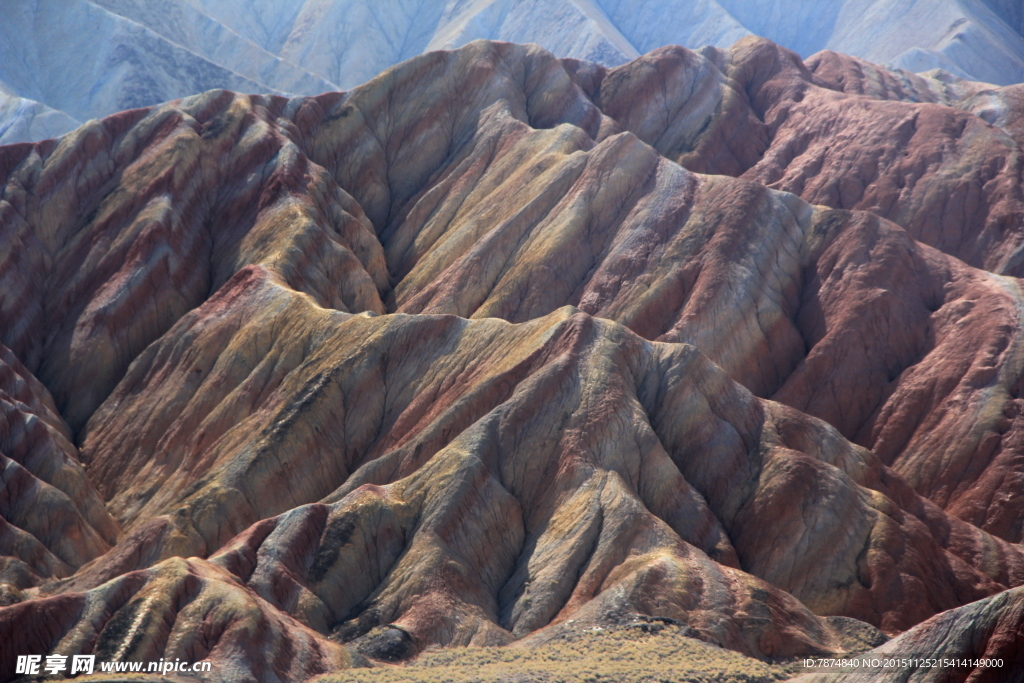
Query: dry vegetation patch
column 596, row 655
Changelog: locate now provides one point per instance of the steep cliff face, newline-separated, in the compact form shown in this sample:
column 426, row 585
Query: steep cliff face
column 52, row 520
column 485, row 348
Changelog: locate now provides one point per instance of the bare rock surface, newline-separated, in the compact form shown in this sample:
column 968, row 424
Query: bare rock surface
column 178, row 609
column 484, row 352
column 859, row 138
column 130, row 222
column 52, row 520
column 989, row 630
column 440, row 448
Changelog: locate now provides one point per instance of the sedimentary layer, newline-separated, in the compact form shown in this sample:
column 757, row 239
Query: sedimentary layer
column 499, row 343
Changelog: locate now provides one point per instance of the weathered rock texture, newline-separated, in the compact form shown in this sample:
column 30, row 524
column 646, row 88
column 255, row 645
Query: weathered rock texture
column 990, row 629
column 484, row 349
column 178, row 609
column 52, row 520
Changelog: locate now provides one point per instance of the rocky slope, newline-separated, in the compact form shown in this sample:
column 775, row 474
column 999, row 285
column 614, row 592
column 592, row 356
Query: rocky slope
column 499, row 346
column 989, row 629
column 118, row 54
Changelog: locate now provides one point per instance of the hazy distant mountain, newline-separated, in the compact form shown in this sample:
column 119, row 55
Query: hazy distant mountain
column 22, row 119
column 89, row 58
column 349, row 41
column 82, row 58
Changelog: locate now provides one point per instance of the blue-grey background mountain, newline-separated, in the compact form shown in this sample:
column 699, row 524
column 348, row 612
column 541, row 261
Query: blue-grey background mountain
column 63, row 62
